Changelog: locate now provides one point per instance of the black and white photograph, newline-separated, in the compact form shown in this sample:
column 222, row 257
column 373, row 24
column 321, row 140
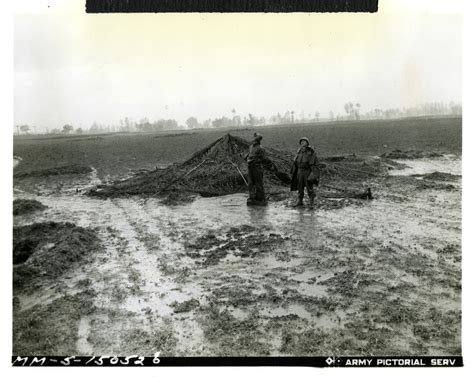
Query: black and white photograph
column 238, row 184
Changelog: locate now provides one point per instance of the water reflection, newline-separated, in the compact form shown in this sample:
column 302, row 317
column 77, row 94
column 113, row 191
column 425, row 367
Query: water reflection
column 258, row 215
column 446, row 164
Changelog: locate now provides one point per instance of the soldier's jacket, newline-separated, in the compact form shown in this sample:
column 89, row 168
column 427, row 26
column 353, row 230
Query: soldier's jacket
column 304, row 160
column 256, row 155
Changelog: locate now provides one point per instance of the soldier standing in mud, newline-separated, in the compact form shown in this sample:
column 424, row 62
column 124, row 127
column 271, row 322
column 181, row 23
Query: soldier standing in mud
column 255, row 158
column 305, row 171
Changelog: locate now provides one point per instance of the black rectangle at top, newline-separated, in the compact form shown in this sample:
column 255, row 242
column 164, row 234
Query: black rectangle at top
column 229, row 6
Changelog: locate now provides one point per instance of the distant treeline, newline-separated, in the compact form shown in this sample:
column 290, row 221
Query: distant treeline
column 352, row 111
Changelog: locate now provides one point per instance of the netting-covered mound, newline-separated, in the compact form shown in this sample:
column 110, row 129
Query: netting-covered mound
column 218, row 169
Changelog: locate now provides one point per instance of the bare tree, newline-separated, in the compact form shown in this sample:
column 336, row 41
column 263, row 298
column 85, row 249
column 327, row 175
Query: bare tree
column 357, row 111
column 67, row 128
column 25, row 129
column 251, row 120
column 236, row 121
column 192, row 122
column 349, row 109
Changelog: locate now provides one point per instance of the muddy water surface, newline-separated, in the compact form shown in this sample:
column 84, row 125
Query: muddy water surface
column 215, row 277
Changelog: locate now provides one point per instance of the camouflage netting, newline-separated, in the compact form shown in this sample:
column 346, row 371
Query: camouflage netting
column 212, row 171
column 219, row 169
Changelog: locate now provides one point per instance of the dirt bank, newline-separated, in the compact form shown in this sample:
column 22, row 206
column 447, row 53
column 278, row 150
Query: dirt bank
column 398, row 154
column 46, row 250
column 25, row 206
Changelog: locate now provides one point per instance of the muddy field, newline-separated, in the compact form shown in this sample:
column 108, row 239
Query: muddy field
column 213, row 277
column 115, row 155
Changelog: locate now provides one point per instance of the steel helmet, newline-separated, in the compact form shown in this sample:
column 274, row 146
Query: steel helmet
column 305, row 139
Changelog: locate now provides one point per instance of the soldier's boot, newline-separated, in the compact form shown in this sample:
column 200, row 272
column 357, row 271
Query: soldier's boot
column 299, row 203
column 312, row 196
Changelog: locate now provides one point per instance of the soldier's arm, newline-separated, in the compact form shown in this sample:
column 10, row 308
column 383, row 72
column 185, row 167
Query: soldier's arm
column 314, row 163
column 314, row 160
column 246, row 155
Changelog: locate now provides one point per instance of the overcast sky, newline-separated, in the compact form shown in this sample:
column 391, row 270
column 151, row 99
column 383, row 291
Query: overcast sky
column 75, row 68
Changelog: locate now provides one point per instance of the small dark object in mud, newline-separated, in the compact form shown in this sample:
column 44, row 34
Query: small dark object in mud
column 24, row 206
column 185, row 306
column 60, row 170
column 410, row 155
column 367, row 194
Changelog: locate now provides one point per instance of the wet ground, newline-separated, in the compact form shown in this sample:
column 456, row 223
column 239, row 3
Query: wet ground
column 215, row 277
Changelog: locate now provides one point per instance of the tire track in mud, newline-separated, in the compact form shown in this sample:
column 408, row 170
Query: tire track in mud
column 133, row 250
column 153, row 253
column 83, row 346
column 131, row 292
column 380, row 265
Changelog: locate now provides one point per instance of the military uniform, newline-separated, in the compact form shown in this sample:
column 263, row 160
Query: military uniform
column 305, row 166
column 255, row 158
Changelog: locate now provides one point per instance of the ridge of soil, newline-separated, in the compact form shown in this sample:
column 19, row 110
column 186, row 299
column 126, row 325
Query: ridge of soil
column 48, row 249
column 398, row 154
column 26, row 206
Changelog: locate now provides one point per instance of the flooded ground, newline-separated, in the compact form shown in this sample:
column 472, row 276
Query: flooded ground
column 215, row 277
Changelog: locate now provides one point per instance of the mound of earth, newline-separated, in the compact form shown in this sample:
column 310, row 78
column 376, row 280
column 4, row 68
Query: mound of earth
column 440, row 176
column 352, row 167
column 47, row 250
column 60, row 170
column 219, row 169
column 397, row 154
column 25, row 206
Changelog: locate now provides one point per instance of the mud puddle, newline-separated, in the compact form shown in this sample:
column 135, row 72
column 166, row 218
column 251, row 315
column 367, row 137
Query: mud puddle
column 216, row 277
column 450, row 164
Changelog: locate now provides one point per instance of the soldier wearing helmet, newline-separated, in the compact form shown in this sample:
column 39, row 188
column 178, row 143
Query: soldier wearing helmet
column 255, row 158
column 305, row 171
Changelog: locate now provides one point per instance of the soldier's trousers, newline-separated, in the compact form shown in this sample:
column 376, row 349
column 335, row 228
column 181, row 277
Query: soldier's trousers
column 303, row 182
column 255, row 175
